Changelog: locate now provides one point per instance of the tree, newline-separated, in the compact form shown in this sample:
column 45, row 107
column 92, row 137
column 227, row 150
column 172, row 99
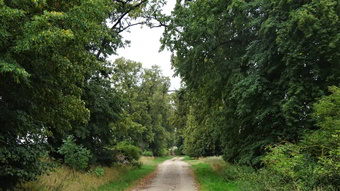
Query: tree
column 145, row 118
column 50, row 50
column 194, row 125
column 105, row 105
column 179, row 116
column 43, row 60
column 126, row 78
column 259, row 64
column 315, row 161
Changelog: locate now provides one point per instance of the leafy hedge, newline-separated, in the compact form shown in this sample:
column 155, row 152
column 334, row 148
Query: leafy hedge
column 130, row 152
column 311, row 164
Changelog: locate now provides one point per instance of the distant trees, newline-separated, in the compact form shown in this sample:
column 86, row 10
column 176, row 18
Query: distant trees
column 179, row 118
column 253, row 71
column 145, row 119
column 194, row 128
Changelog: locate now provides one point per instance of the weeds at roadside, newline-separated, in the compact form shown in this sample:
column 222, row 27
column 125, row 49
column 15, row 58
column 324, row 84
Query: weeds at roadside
column 65, row 178
column 130, row 178
column 213, row 173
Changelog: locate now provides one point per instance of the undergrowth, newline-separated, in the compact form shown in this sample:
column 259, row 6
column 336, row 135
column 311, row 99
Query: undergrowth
column 116, row 177
column 208, row 173
column 213, row 173
column 129, row 179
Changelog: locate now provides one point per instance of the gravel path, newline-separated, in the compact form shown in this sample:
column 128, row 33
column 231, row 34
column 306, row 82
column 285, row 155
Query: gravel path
column 172, row 175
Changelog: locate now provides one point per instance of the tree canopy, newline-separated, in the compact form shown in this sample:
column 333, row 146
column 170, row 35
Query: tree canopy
column 54, row 77
column 260, row 85
column 255, row 68
column 146, row 116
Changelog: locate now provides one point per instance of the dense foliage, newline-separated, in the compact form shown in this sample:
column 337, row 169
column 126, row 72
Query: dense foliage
column 145, row 121
column 76, row 156
column 311, row 164
column 130, row 152
column 55, row 80
column 253, row 71
column 43, row 61
column 315, row 160
column 256, row 79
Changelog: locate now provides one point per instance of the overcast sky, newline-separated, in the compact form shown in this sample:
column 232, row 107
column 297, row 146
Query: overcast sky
column 144, row 48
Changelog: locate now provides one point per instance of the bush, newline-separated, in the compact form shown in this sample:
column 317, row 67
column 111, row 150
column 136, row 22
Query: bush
column 129, row 151
column 99, row 171
column 102, row 156
column 147, row 153
column 236, row 172
column 76, row 156
column 265, row 180
column 249, row 179
column 20, row 162
column 314, row 162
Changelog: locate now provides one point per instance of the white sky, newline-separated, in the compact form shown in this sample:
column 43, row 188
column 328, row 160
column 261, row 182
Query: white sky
column 144, row 48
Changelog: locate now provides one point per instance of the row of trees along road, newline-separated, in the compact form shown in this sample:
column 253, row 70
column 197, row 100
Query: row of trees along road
column 253, row 71
column 55, row 82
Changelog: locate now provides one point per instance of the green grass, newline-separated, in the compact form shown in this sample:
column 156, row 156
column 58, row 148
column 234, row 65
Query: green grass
column 207, row 171
column 210, row 180
column 128, row 178
column 158, row 160
column 187, row 158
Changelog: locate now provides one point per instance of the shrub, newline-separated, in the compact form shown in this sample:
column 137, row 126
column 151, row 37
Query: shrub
column 20, row 162
column 102, row 156
column 129, row 151
column 314, row 162
column 99, row 171
column 265, row 180
column 76, row 156
column 236, row 172
column 249, row 179
column 147, row 153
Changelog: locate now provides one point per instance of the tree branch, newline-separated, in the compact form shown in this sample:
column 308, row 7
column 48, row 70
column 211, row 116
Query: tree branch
column 127, row 12
column 131, row 25
column 118, row 21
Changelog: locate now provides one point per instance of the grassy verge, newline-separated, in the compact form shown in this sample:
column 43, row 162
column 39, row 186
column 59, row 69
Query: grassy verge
column 64, row 179
column 117, row 177
column 129, row 178
column 213, row 173
column 208, row 174
column 210, row 180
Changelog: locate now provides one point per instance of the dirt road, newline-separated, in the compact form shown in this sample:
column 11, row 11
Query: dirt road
column 172, row 175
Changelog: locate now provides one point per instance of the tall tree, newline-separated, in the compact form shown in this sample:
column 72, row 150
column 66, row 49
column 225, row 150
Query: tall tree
column 263, row 62
column 50, row 52
column 145, row 120
column 179, row 117
column 105, row 105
